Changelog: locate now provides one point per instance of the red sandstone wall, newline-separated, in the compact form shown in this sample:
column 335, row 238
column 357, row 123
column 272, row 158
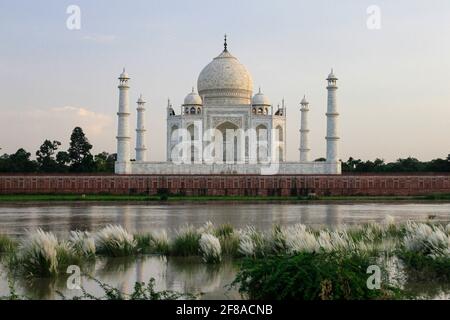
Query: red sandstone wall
column 227, row 184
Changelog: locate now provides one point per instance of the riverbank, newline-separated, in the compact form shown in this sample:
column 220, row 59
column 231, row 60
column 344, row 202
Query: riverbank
column 178, row 198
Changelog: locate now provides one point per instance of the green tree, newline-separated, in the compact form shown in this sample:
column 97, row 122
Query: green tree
column 4, row 163
column 45, row 156
column 18, row 162
column 81, row 159
column 63, row 160
column 104, row 162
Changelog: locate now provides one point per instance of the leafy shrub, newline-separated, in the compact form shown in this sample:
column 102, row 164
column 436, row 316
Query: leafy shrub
column 309, row 276
column 423, row 268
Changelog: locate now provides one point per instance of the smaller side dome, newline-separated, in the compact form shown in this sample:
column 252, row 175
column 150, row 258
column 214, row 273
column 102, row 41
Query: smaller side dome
column 193, row 99
column 260, row 99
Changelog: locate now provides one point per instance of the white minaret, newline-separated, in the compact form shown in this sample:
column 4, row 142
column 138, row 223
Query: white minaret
column 332, row 120
column 304, row 131
column 141, row 150
column 123, row 163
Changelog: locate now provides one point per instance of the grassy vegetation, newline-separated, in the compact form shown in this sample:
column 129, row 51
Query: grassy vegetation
column 299, row 263
column 7, row 244
column 310, row 276
column 186, row 242
column 115, row 241
column 292, row 262
column 180, row 198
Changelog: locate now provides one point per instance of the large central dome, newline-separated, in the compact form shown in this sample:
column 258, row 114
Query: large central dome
column 225, row 78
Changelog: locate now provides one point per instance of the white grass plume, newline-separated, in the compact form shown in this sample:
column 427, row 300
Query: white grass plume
column 210, row 248
column 39, row 253
column 208, row 227
column 432, row 241
column 115, row 240
column 251, row 242
column 83, row 243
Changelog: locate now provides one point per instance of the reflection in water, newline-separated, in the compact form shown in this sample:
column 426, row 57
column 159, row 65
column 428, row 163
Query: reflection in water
column 141, row 218
column 333, row 217
column 177, row 274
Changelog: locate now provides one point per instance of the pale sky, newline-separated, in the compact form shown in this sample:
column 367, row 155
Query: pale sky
column 394, row 82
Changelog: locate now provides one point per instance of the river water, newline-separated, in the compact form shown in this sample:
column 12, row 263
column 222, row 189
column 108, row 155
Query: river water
column 181, row 274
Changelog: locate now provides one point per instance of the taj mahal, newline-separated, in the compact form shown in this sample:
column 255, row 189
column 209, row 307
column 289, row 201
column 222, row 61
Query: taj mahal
column 225, row 129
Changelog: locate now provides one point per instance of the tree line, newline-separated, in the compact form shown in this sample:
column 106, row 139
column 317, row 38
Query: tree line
column 409, row 164
column 77, row 158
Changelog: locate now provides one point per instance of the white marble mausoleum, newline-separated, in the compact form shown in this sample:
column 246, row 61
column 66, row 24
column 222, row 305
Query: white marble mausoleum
column 225, row 128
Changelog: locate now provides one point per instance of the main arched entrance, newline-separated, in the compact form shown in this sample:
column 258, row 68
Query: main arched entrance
column 228, row 150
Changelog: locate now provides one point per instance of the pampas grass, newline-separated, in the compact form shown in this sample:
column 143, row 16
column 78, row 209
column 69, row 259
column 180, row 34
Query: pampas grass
column 252, row 242
column 39, row 253
column 186, row 242
column 224, row 230
column 159, row 242
column 388, row 221
column 229, row 242
column 155, row 243
column 429, row 240
column 210, row 248
column 6, row 244
column 66, row 255
column 208, row 227
column 83, row 243
column 298, row 239
column 115, row 241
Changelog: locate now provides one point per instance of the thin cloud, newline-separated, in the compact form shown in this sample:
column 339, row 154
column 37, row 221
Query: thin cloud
column 99, row 38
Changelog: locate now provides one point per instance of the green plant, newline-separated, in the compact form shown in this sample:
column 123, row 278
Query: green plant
column 230, row 244
column 142, row 291
column 115, row 241
column 7, row 244
column 66, row 255
column 309, row 276
column 210, row 248
column 224, row 230
column 421, row 267
column 186, row 242
column 39, row 256
column 83, row 244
